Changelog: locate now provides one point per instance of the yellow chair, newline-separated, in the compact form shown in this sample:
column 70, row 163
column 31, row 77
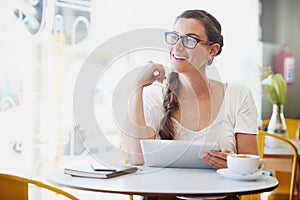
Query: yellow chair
column 287, row 180
column 249, row 197
column 16, row 187
column 130, row 196
column 292, row 126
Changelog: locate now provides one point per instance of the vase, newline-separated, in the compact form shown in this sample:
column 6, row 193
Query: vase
column 276, row 125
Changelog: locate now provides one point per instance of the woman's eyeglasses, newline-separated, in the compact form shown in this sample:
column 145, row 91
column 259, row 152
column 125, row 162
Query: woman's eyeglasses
column 188, row 41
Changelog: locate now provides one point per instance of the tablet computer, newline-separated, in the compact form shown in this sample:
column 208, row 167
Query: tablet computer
column 175, row 153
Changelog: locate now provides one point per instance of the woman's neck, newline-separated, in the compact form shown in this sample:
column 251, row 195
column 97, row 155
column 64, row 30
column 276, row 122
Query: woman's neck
column 196, row 85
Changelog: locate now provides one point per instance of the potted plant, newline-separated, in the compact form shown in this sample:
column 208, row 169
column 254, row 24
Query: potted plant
column 274, row 90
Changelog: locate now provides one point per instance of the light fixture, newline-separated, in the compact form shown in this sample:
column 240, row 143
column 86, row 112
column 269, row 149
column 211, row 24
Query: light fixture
column 32, row 15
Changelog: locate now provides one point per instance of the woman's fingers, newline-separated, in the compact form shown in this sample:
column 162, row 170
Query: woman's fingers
column 217, row 159
column 227, row 150
column 214, row 161
column 222, row 153
column 161, row 75
column 155, row 72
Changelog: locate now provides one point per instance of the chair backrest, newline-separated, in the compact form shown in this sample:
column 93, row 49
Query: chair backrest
column 16, row 187
column 292, row 126
column 261, row 142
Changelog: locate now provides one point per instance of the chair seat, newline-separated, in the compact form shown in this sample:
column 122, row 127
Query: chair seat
column 282, row 191
column 280, row 197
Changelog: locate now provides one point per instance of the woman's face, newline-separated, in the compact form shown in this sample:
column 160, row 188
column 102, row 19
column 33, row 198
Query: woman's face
column 182, row 58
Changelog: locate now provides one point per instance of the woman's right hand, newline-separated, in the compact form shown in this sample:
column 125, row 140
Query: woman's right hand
column 151, row 72
column 217, row 158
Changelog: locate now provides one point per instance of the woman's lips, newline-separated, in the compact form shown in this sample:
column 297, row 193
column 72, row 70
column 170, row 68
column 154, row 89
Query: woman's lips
column 179, row 57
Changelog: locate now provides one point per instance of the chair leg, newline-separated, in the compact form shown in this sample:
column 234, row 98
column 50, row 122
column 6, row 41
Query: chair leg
column 250, row 197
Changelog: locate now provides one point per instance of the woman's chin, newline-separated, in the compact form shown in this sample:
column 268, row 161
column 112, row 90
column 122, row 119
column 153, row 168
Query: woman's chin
column 178, row 62
column 180, row 66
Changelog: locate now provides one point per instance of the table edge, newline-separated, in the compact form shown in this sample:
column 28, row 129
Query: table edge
column 165, row 194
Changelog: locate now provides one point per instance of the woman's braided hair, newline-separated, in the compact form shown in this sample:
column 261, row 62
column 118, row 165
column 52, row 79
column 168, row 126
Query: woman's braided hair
column 170, row 105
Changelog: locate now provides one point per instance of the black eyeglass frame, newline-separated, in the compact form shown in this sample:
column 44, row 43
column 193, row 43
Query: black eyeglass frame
column 182, row 37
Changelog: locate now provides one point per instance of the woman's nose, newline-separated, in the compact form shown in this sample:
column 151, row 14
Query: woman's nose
column 178, row 46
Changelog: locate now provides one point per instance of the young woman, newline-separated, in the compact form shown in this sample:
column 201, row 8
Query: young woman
column 192, row 106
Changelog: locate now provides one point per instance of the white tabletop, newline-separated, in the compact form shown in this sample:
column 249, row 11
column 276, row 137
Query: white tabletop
column 167, row 182
column 282, row 151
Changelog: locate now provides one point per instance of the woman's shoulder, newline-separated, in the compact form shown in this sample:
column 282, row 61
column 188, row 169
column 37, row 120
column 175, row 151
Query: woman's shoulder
column 232, row 87
column 237, row 92
column 235, row 87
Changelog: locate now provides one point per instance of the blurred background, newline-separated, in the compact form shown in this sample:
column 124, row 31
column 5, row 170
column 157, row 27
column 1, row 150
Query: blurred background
column 43, row 45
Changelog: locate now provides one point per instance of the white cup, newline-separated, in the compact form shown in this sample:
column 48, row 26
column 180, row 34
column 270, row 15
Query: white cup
column 244, row 163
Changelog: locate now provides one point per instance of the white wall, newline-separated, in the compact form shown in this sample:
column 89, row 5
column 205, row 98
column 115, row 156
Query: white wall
column 242, row 52
column 288, row 29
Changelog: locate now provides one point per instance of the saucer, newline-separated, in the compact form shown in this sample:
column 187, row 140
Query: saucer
column 247, row 177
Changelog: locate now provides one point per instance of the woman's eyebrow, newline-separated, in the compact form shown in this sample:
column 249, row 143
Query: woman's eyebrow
column 189, row 34
column 193, row 34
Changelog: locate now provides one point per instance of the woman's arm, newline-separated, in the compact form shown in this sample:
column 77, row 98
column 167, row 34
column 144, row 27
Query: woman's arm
column 135, row 126
column 246, row 119
column 136, row 129
column 246, row 144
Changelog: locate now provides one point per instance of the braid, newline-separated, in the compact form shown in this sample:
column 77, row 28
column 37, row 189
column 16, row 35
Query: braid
column 170, row 105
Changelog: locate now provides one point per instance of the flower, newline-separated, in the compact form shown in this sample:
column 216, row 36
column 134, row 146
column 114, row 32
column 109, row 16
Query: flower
column 274, row 86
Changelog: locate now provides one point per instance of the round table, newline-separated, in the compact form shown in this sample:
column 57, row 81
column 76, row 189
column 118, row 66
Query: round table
column 167, row 182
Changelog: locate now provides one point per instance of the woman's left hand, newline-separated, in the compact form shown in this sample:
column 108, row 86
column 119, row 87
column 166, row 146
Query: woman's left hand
column 217, row 158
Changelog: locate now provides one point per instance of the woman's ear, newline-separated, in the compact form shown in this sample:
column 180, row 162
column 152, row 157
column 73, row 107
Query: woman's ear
column 214, row 50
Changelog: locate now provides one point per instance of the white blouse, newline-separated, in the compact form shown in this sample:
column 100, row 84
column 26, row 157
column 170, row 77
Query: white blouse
column 237, row 114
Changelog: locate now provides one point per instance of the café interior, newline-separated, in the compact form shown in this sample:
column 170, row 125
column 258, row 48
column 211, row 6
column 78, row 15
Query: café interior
column 42, row 59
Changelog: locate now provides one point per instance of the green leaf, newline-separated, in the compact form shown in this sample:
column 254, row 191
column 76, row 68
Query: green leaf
column 282, row 87
column 265, row 72
column 274, row 87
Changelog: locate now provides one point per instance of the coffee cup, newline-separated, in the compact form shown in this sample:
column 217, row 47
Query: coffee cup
column 244, row 163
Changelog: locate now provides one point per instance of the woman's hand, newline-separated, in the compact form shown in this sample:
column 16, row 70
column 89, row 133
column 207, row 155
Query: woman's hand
column 152, row 72
column 217, row 159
